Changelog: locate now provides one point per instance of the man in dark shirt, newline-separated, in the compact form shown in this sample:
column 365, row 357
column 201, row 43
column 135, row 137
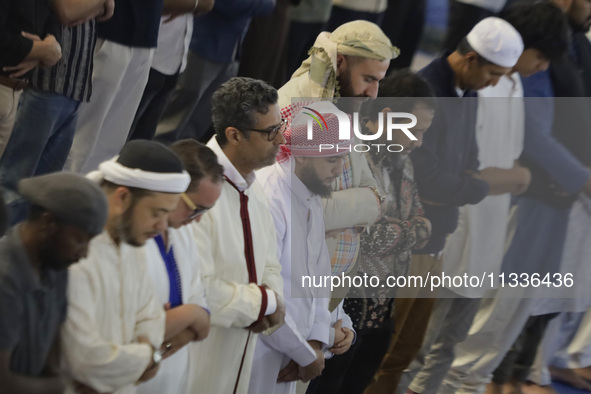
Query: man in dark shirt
column 69, row 211
column 446, row 171
column 47, row 114
column 122, row 61
column 22, row 22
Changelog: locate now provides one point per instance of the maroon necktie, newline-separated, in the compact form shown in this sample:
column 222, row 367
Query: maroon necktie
column 248, row 248
column 250, row 266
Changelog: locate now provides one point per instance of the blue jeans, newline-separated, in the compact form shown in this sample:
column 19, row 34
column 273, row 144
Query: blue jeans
column 39, row 143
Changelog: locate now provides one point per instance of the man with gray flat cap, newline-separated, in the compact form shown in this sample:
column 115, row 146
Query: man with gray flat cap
column 67, row 211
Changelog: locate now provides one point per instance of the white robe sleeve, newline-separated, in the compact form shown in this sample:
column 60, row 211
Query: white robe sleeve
column 90, row 359
column 359, row 202
column 232, row 304
column 150, row 317
column 197, row 295
column 287, row 339
column 338, row 314
column 272, row 275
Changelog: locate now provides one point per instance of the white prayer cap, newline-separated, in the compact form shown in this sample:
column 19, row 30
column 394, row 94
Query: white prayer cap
column 145, row 165
column 497, row 41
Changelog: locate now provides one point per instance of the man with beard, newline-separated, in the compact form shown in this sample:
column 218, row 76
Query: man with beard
column 236, row 238
column 349, row 62
column 115, row 324
column 67, row 212
column 295, row 186
column 174, row 266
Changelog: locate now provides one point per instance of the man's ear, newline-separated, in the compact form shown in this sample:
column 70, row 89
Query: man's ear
column 341, row 64
column 470, row 58
column 120, row 200
column 233, row 135
column 299, row 160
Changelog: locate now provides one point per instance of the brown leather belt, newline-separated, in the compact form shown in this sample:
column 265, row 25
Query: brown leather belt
column 16, row 84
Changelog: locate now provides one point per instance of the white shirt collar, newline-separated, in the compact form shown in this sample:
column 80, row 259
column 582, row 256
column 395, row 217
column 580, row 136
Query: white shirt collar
column 229, row 170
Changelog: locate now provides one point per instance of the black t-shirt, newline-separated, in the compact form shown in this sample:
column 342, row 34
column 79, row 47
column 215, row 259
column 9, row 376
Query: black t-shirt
column 135, row 23
column 16, row 16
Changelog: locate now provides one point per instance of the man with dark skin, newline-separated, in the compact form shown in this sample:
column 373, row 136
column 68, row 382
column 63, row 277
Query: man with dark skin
column 68, row 211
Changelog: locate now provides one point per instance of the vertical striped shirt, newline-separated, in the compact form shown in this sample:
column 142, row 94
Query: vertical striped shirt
column 72, row 75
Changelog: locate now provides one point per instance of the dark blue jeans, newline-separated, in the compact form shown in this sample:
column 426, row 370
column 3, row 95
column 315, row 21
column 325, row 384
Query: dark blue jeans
column 39, row 143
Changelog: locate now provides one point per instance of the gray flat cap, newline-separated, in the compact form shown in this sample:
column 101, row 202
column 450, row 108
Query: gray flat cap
column 71, row 197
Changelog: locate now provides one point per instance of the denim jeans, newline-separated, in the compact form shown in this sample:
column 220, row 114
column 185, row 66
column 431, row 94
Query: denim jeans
column 39, row 143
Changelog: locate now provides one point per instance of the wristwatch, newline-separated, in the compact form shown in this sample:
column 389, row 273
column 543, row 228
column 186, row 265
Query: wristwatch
column 156, row 358
column 377, row 193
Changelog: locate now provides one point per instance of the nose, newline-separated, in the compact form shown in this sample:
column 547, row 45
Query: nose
column 162, row 223
column 279, row 139
column 494, row 81
column 419, row 142
column 372, row 90
column 338, row 168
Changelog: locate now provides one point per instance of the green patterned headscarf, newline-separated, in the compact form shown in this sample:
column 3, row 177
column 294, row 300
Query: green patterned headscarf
column 357, row 38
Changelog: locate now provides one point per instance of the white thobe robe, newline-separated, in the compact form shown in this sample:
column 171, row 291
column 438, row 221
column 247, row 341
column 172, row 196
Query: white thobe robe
column 477, row 246
column 234, row 302
column 175, row 370
column 111, row 302
column 302, row 251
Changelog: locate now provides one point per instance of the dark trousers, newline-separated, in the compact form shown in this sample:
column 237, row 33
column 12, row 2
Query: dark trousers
column 518, row 361
column 300, row 39
column 403, row 24
column 340, row 15
column 462, row 18
column 154, row 101
column 263, row 49
column 351, row 372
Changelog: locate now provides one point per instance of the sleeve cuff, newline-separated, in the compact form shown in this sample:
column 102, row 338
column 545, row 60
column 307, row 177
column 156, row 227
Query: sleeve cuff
column 320, row 333
column 271, row 302
column 331, row 335
column 304, row 356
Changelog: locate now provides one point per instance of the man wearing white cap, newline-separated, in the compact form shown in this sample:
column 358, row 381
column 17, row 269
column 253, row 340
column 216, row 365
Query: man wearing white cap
column 115, row 324
column 294, row 187
column 477, row 246
column 447, row 170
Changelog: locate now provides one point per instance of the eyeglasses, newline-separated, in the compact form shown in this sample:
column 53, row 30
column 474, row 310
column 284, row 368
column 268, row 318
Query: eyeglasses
column 196, row 211
column 272, row 132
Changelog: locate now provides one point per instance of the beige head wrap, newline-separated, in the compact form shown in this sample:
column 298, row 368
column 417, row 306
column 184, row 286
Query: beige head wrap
column 357, row 38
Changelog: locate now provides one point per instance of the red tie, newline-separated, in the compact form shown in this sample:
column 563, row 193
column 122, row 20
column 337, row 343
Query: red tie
column 248, row 248
column 250, row 266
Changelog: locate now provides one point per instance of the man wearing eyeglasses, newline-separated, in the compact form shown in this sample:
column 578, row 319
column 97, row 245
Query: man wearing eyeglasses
column 174, row 267
column 236, row 238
